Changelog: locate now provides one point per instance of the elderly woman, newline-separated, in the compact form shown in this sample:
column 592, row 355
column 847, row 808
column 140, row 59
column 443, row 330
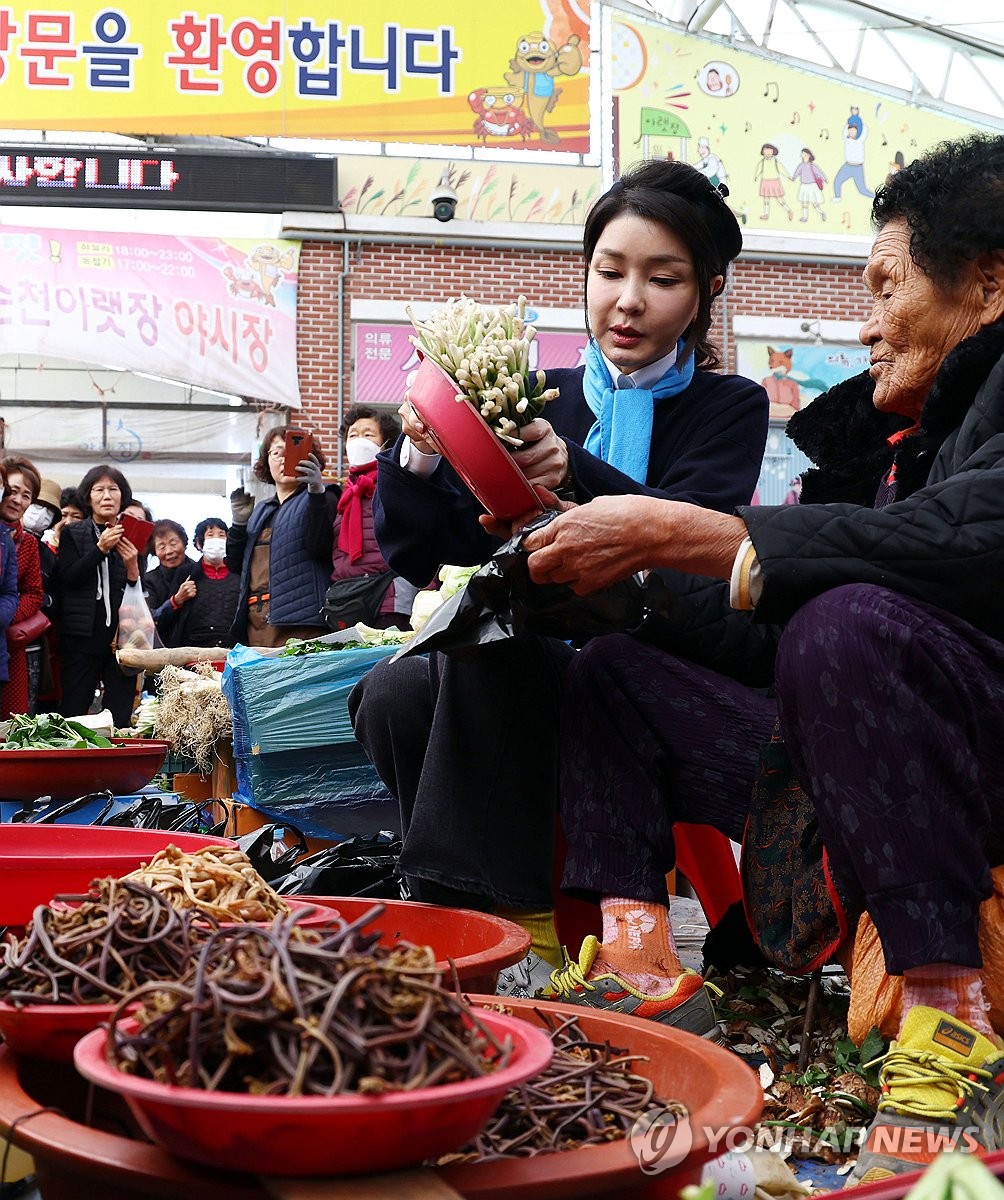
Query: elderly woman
column 21, row 492
column 873, row 608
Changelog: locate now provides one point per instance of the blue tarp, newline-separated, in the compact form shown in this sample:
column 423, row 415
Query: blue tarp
column 295, row 755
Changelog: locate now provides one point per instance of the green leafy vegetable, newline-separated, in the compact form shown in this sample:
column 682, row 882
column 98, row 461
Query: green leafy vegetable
column 50, row 731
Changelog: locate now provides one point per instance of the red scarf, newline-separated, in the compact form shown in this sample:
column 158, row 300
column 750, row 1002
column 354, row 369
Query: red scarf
column 360, row 485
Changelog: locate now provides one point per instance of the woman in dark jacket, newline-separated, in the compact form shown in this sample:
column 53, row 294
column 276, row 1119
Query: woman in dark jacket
column 96, row 561
column 282, row 548
column 873, row 607
column 649, row 415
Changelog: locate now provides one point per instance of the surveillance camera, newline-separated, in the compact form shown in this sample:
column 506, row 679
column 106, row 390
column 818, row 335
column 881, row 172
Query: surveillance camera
column 444, row 201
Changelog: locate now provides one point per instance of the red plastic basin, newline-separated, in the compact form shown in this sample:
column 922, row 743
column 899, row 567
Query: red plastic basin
column 64, row 774
column 468, row 444
column 38, row 862
column 318, row 1135
column 479, row 944
column 50, row 1031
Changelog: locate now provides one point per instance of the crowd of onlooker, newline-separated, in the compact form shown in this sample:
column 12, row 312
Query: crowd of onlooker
column 66, row 560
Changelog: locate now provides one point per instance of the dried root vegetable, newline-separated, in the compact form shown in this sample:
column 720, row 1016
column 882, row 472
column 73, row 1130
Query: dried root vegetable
column 193, row 714
column 217, row 881
column 117, row 936
column 588, row 1095
column 486, row 352
column 262, row 1012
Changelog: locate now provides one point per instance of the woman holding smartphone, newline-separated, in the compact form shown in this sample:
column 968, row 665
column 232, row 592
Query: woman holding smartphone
column 282, row 546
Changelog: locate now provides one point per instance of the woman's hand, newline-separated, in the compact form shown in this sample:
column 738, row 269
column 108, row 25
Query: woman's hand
column 186, row 592
column 543, row 457
column 109, row 538
column 308, row 471
column 130, row 556
column 506, row 529
column 414, row 428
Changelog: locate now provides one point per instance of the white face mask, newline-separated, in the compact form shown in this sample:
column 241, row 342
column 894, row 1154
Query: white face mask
column 214, row 549
column 37, row 518
column 360, row 451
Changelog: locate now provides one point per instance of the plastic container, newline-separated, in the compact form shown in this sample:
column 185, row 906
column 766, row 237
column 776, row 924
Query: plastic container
column 477, row 944
column 63, row 774
column 38, row 862
column 75, row 1159
column 50, row 1031
column 318, row 1135
column 468, row 444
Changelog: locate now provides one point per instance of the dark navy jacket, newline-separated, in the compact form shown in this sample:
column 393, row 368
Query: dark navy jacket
column 299, row 561
column 8, row 593
column 707, row 445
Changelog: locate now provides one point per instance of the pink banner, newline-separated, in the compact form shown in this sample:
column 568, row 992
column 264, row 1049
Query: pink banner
column 219, row 314
column 384, row 356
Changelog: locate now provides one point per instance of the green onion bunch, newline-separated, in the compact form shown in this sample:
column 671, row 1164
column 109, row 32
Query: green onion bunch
column 486, row 352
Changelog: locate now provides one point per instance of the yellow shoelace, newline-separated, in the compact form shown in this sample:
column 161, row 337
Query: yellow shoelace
column 907, row 1068
column 567, row 978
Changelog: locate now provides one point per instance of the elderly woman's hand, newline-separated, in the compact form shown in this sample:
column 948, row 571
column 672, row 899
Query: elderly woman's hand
column 543, row 457
column 594, row 545
column 130, row 556
column 109, row 538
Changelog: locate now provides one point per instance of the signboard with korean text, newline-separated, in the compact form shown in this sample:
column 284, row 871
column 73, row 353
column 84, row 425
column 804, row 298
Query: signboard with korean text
column 264, row 181
column 388, row 70
column 384, row 357
column 220, row 314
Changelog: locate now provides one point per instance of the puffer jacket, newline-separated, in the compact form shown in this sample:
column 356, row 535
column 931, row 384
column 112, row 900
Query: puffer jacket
column 941, row 540
column 9, row 595
column 79, row 558
column 299, row 562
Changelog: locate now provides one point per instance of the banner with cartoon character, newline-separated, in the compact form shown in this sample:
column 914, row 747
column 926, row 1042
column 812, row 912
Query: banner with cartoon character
column 387, row 70
column 219, row 314
column 797, row 152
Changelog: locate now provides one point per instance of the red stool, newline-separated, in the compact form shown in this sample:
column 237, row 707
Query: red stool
column 703, row 855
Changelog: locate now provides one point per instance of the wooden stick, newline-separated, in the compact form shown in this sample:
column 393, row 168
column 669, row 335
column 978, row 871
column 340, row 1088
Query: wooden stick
column 418, row 1184
column 179, row 656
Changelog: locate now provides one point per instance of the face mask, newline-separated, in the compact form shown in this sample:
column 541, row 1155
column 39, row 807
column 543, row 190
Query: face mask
column 360, row 451
column 37, row 518
column 214, row 549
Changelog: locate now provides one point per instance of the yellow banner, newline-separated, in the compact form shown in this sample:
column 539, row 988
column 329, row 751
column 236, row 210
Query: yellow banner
column 386, row 70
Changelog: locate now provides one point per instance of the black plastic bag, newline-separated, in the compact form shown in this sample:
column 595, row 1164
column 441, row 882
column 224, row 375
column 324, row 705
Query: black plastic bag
column 501, row 601
column 270, row 854
column 359, row 866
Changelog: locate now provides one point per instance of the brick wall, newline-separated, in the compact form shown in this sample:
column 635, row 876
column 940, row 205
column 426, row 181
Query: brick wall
column 549, row 279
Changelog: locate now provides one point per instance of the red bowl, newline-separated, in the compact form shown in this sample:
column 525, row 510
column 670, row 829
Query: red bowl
column 318, row 1135
column 38, row 862
column 64, row 774
column 50, row 1031
column 469, row 446
column 478, row 944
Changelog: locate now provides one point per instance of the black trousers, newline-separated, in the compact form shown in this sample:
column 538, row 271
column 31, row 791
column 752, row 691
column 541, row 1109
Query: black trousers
column 470, row 750
column 82, row 671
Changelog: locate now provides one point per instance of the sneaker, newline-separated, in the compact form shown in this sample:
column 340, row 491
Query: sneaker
column 525, row 978
column 942, row 1089
column 686, row 1005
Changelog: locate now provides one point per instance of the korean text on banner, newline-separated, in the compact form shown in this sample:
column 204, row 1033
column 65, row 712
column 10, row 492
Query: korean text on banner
column 220, row 314
column 388, row 70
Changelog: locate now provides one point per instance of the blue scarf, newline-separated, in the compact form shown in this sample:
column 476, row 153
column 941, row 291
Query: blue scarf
column 622, row 435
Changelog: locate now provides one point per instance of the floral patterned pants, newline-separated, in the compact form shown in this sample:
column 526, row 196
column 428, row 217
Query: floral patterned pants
column 893, row 714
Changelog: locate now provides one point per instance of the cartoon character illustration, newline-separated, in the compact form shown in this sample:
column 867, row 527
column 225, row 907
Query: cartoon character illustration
column 269, row 262
column 709, row 164
column 810, row 178
column 241, row 282
column 770, row 171
column 533, row 68
column 500, row 113
column 782, row 391
column 853, row 168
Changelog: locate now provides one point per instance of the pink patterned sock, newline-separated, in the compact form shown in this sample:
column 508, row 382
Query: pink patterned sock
column 954, row 990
